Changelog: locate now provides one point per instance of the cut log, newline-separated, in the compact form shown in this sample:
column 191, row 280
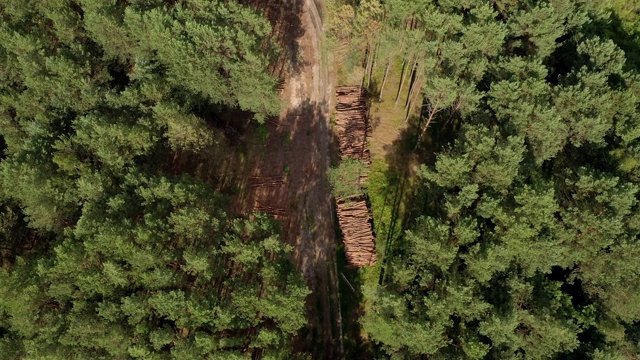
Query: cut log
column 354, row 218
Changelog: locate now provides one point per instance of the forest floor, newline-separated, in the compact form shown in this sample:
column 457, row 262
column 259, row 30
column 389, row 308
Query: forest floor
column 294, row 149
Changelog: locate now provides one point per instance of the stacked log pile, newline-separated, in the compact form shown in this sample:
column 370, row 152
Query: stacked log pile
column 354, row 218
column 281, row 85
column 267, row 181
column 351, row 125
column 355, row 223
column 277, row 213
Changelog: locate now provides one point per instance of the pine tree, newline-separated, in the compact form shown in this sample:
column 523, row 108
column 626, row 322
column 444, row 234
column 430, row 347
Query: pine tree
column 523, row 246
column 108, row 256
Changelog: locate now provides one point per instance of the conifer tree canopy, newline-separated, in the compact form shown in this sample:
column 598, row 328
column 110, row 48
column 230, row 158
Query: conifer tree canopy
column 525, row 241
column 105, row 253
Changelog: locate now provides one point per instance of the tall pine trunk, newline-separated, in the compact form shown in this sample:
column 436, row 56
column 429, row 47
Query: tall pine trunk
column 384, row 79
column 408, row 108
column 365, row 77
column 412, row 90
column 401, row 83
column 432, row 113
column 376, row 48
column 414, row 69
column 367, row 57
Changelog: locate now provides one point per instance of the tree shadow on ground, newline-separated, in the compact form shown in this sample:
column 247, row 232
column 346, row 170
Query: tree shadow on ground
column 351, row 281
column 406, row 197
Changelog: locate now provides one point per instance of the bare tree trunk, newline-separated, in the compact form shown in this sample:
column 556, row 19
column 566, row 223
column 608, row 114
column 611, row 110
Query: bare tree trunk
column 338, row 312
column 408, row 107
column 384, row 79
column 414, row 69
column 402, row 82
column 412, row 90
column 367, row 64
column 366, row 68
column 434, row 110
column 402, row 73
column 376, row 48
column 366, row 56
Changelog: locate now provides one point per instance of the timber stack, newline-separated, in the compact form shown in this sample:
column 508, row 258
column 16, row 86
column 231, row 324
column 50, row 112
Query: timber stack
column 357, row 232
column 354, row 217
column 351, row 125
column 275, row 212
column 267, row 181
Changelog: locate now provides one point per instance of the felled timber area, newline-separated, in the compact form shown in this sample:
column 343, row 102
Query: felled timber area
column 357, row 232
column 354, row 217
column 351, row 125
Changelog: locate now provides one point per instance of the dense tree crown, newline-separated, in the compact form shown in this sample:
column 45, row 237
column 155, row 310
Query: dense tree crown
column 528, row 242
column 105, row 253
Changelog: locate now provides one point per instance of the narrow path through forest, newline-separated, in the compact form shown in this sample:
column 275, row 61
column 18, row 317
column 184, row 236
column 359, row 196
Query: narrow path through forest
column 310, row 97
column 296, row 149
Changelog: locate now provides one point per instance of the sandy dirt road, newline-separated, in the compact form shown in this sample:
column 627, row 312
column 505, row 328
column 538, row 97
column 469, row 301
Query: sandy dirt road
column 296, row 147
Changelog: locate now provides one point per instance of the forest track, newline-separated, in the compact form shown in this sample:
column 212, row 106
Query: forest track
column 319, row 200
column 296, row 147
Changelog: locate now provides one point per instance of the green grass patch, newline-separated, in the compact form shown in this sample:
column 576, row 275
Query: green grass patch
column 345, row 178
column 263, row 133
column 286, row 140
column 386, row 206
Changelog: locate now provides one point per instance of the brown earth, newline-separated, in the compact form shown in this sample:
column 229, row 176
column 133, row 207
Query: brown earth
column 288, row 165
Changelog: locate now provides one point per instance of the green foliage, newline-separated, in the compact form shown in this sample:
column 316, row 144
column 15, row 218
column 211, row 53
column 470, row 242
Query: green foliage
column 107, row 251
column 346, row 179
column 160, row 282
column 525, row 236
column 619, row 22
column 184, row 131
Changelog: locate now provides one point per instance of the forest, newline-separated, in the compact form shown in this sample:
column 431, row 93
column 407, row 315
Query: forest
column 519, row 235
column 168, row 171
column 108, row 250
